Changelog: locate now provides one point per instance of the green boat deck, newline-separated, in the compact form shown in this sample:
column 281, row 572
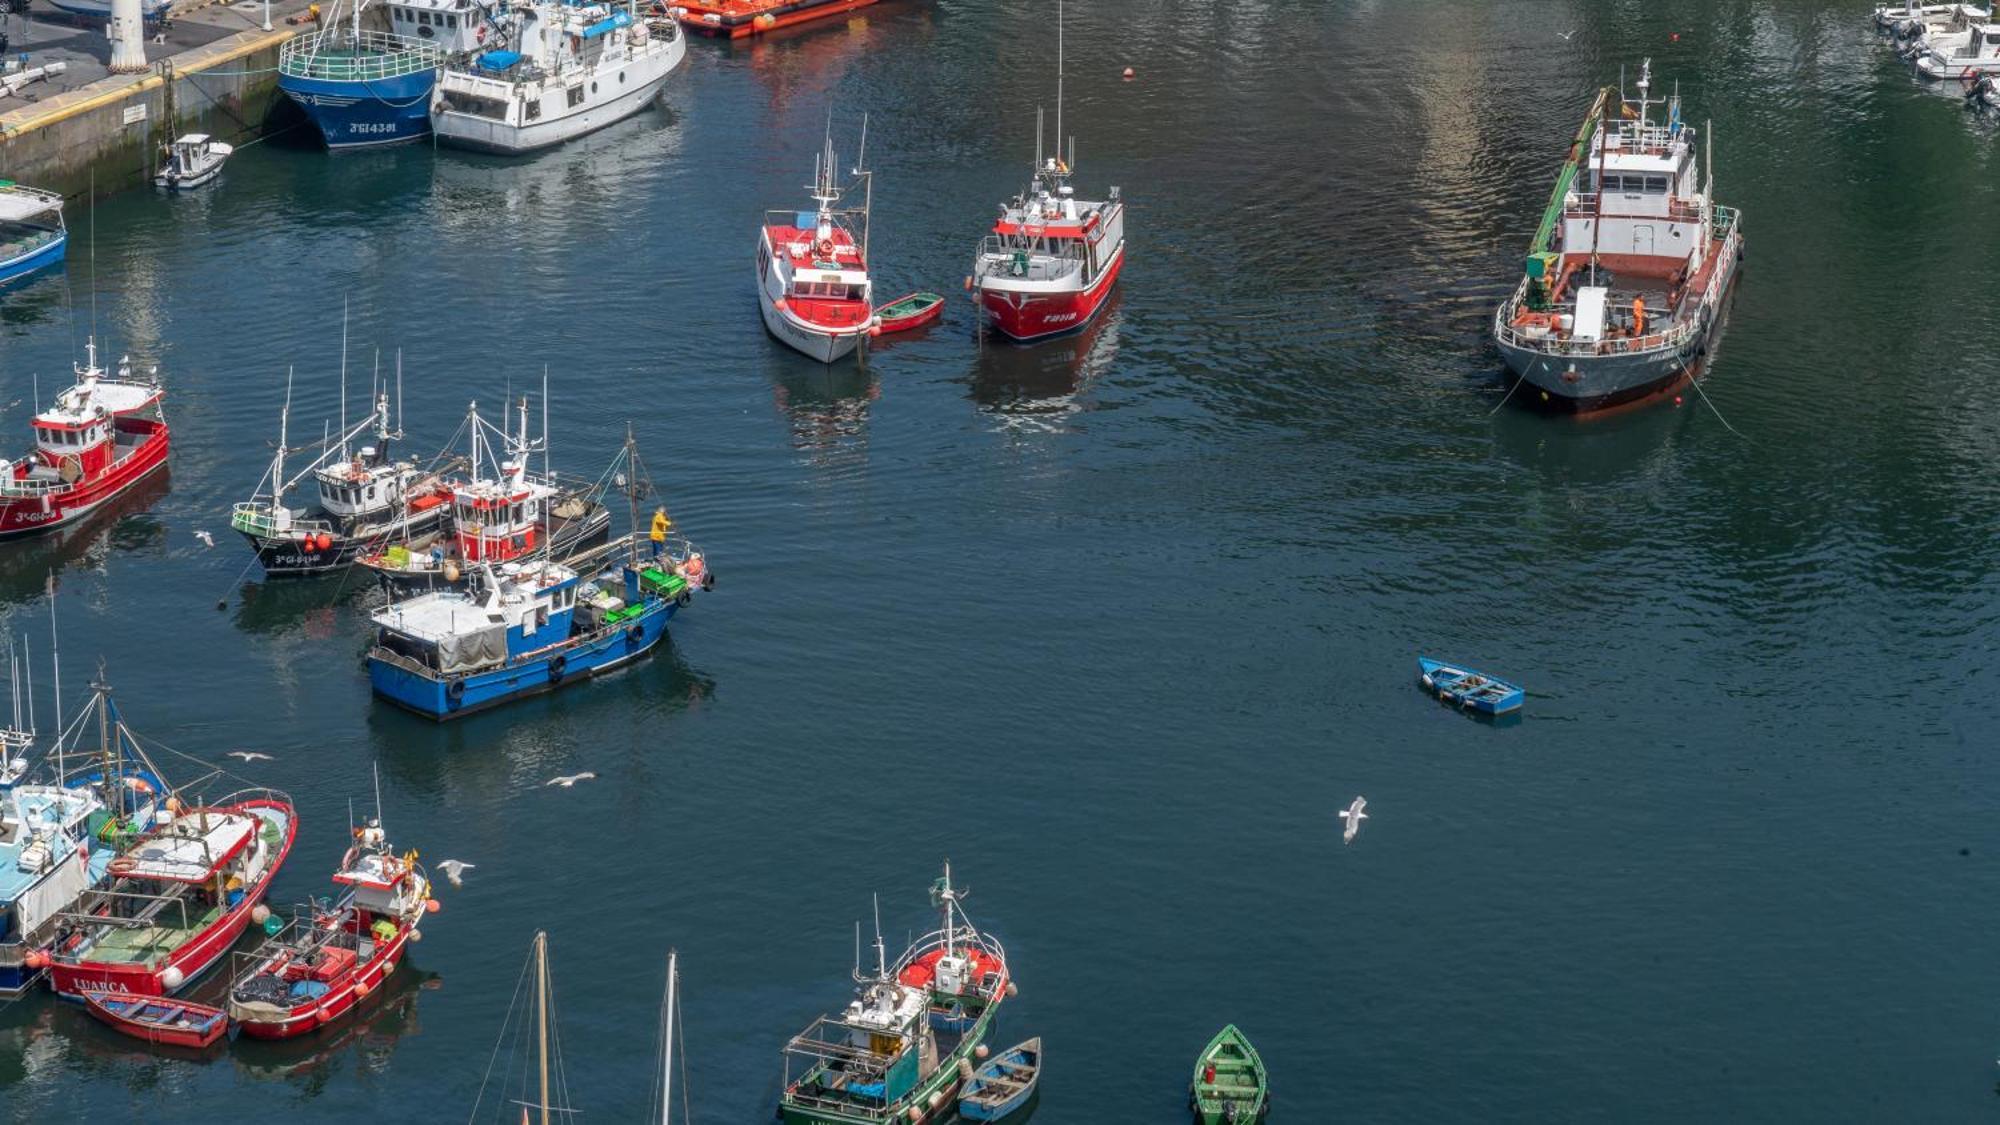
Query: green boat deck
column 1235, row 1093
column 142, row 944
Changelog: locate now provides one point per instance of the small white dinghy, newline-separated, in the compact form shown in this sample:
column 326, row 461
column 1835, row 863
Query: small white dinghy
column 191, row 161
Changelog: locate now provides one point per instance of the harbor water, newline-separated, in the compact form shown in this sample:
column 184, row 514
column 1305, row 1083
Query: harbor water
column 1117, row 624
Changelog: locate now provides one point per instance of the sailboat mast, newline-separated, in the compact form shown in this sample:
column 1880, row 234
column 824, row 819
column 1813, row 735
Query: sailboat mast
column 1059, row 77
column 667, row 1056
column 542, row 1013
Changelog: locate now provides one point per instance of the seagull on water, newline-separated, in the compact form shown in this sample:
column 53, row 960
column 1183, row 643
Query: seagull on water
column 453, row 870
column 569, row 780
column 1353, row 815
column 250, row 756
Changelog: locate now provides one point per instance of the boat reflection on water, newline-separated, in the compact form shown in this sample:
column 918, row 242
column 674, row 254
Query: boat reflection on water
column 38, row 298
column 1619, row 447
column 826, row 407
column 313, row 606
column 1035, row 386
column 308, row 1061
column 122, row 525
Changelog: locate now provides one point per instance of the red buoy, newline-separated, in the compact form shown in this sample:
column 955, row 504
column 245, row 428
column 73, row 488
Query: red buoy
column 1130, row 74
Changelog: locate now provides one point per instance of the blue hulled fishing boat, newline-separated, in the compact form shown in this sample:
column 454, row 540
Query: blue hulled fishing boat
column 32, row 235
column 1467, row 689
column 367, row 76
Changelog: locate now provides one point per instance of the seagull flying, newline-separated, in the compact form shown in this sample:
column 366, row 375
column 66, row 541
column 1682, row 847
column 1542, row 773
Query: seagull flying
column 249, row 755
column 1353, row 815
column 1565, row 35
column 571, row 779
column 453, row 870
column 207, row 540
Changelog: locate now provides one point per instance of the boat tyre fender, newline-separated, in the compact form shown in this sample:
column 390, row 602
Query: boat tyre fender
column 707, row 580
column 557, row 668
column 683, row 598
column 454, row 691
column 635, row 635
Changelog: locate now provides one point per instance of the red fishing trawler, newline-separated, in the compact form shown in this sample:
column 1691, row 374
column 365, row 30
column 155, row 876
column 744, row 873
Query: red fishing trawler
column 812, row 269
column 327, row 962
column 1052, row 259
column 740, row 19
column 98, row 439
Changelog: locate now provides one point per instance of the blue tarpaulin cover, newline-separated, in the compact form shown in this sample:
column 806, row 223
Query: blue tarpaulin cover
column 498, row 60
column 618, row 19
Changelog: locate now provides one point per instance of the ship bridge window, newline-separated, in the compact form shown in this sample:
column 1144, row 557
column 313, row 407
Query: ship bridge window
column 423, row 19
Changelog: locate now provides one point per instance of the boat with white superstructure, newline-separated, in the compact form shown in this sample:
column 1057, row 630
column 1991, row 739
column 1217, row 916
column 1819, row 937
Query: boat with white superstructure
column 812, row 269
column 567, row 69
column 368, row 76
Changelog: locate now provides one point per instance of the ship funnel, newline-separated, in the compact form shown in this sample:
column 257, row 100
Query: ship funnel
column 127, row 32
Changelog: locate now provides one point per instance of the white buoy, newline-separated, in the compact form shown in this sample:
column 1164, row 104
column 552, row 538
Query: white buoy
column 173, row 978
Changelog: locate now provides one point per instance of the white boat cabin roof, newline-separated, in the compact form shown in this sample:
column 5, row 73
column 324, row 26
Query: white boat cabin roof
column 19, row 204
column 93, row 399
column 193, row 139
column 444, row 614
column 193, row 847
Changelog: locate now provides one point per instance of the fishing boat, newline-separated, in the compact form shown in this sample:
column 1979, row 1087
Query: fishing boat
column 901, row 1049
column 530, row 625
column 367, row 75
column 502, row 513
column 1894, row 17
column 191, row 161
column 1230, row 1086
column 327, row 961
column 812, row 268
column 1962, row 55
column 740, row 19
column 913, row 311
column 57, row 840
column 568, row 69
column 1467, row 689
column 1003, row 1084
column 179, row 896
column 1052, row 259
column 32, row 234
column 175, row 1023
column 366, row 501
column 96, row 440
column 1913, row 24
column 1625, row 286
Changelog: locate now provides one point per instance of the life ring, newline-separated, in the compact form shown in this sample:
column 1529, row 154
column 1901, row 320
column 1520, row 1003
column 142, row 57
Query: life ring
column 635, row 635
column 823, row 250
column 123, row 865
column 557, row 668
column 454, row 690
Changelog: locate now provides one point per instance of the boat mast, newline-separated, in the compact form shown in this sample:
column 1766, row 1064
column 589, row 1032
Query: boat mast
column 868, row 190
column 278, row 458
column 1603, row 144
column 55, row 658
column 1059, row 83
column 542, row 1013
column 343, row 358
column 667, row 1056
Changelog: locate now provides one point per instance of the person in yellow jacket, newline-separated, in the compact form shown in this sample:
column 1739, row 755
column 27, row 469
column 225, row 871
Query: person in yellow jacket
column 660, row 525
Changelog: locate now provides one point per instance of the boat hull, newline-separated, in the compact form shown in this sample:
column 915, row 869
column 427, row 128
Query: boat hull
column 196, row 956
column 188, row 183
column 263, row 1021
column 370, row 114
column 289, row 556
column 1593, row 384
column 825, row 346
column 1025, row 314
column 736, row 20
column 483, row 134
column 42, row 257
column 425, row 692
column 196, row 1027
column 24, row 516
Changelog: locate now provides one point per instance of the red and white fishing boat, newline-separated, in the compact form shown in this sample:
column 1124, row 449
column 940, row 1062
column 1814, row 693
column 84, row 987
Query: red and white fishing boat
column 1052, row 259
column 179, row 897
column 812, row 269
column 99, row 438
column 327, row 962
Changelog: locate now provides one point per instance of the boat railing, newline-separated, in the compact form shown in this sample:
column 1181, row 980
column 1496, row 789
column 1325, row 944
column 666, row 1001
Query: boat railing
column 1678, row 210
column 1674, row 335
column 960, row 938
column 997, row 256
column 11, row 485
column 340, row 56
column 254, row 517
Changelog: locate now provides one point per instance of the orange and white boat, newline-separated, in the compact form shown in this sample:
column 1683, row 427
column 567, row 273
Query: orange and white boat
column 740, row 19
column 1052, row 258
column 812, row 270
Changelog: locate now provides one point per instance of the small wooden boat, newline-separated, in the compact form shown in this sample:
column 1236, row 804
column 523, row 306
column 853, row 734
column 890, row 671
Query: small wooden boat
column 1467, row 689
column 913, row 311
column 1003, row 1083
column 191, row 161
column 1230, row 1085
column 176, row 1023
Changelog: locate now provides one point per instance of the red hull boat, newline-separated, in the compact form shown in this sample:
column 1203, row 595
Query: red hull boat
column 740, row 19
column 328, row 962
column 913, row 311
column 180, row 896
column 176, row 1023
column 98, row 439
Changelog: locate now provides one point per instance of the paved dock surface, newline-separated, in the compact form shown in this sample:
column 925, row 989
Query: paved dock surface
column 46, row 35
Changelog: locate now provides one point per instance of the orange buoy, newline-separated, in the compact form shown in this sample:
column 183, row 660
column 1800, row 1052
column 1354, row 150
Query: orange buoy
column 432, row 905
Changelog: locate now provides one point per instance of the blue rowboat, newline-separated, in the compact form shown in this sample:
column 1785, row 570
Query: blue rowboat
column 1003, row 1083
column 1467, row 689
column 32, row 235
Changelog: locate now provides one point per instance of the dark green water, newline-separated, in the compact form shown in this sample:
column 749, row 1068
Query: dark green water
column 1117, row 624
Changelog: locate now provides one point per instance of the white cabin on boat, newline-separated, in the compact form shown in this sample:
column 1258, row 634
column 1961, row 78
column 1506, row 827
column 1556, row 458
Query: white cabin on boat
column 458, row 27
column 1640, row 205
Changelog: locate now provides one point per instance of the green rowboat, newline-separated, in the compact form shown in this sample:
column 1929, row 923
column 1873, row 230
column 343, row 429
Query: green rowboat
column 1230, row 1086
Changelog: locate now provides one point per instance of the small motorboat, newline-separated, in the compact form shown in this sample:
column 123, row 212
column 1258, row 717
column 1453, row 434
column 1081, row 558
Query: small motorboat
column 1230, row 1086
column 1467, row 689
column 1003, row 1083
column 176, row 1023
column 191, row 161
column 913, row 311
